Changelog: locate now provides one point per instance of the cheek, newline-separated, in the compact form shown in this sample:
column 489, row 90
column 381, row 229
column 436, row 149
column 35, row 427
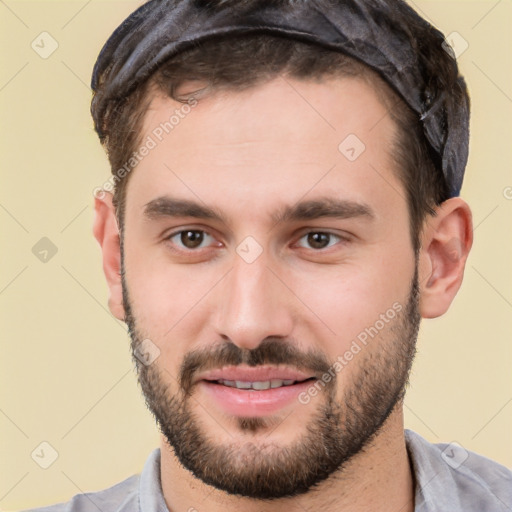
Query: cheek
column 331, row 304
column 168, row 300
column 163, row 299
column 341, row 302
column 350, row 295
column 365, row 312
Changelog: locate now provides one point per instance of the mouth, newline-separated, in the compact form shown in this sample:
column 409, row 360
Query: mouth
column 258, row 385
column 255, row 377
column 253, row 391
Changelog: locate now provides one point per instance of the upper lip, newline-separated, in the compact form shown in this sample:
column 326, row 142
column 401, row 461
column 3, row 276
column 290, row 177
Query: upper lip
column 254, row 374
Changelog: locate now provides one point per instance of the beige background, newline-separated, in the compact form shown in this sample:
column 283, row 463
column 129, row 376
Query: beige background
column 65, row 373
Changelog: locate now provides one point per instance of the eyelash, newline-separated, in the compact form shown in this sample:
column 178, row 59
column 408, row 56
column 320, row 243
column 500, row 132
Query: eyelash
column 169, row 238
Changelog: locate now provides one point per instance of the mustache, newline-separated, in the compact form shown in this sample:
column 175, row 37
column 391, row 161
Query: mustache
column 274, row 351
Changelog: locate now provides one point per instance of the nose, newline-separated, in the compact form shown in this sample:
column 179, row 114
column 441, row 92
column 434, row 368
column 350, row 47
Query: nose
column 252, row 304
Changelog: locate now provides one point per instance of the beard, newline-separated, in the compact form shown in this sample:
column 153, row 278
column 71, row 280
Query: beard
column 337, row 431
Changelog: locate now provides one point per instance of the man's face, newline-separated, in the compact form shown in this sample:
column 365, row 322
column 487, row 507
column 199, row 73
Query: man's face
column 322, row 308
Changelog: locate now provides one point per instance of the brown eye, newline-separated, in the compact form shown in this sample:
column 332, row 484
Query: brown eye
column 189, row 238
column 319, row 239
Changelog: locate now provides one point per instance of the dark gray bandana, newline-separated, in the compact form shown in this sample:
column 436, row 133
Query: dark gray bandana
column 386, row 35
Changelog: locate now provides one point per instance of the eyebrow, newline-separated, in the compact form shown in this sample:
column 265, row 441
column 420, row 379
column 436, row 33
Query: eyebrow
column 324, row 207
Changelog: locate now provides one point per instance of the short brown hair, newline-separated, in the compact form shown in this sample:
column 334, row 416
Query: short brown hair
column 244, row 61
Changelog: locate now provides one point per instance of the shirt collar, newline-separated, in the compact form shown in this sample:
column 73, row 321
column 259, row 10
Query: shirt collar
column 435, row 486
column 151, row 498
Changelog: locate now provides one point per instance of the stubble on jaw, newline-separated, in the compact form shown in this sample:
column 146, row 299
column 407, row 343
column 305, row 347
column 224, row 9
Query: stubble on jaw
column 337, row 430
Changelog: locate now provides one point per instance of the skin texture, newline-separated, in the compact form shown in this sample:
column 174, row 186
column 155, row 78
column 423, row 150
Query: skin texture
column 248, row 154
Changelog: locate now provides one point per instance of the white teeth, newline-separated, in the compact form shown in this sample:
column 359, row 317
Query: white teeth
column 258, row 385
column 261, row 385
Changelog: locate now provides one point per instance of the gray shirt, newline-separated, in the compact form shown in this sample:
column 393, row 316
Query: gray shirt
column 448, row 479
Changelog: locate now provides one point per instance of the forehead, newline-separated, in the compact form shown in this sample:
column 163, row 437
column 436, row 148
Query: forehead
column 280, row 140
column 328, row 106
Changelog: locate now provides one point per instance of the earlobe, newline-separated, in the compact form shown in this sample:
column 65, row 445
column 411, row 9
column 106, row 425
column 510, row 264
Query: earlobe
column 106, row 232
column 446, row 242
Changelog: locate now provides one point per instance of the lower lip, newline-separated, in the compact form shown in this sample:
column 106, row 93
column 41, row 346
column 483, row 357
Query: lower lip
column 245, row 402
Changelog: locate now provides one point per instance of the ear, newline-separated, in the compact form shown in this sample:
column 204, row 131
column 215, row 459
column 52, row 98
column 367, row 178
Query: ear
column 445, row 244
column 106, row 231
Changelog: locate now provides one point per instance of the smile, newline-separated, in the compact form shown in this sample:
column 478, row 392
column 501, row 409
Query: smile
column 257, row 385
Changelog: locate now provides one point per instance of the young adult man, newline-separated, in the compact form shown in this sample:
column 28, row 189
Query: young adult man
column 285, row 210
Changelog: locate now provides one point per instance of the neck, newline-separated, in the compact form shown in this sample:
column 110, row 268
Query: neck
column 377, row 478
